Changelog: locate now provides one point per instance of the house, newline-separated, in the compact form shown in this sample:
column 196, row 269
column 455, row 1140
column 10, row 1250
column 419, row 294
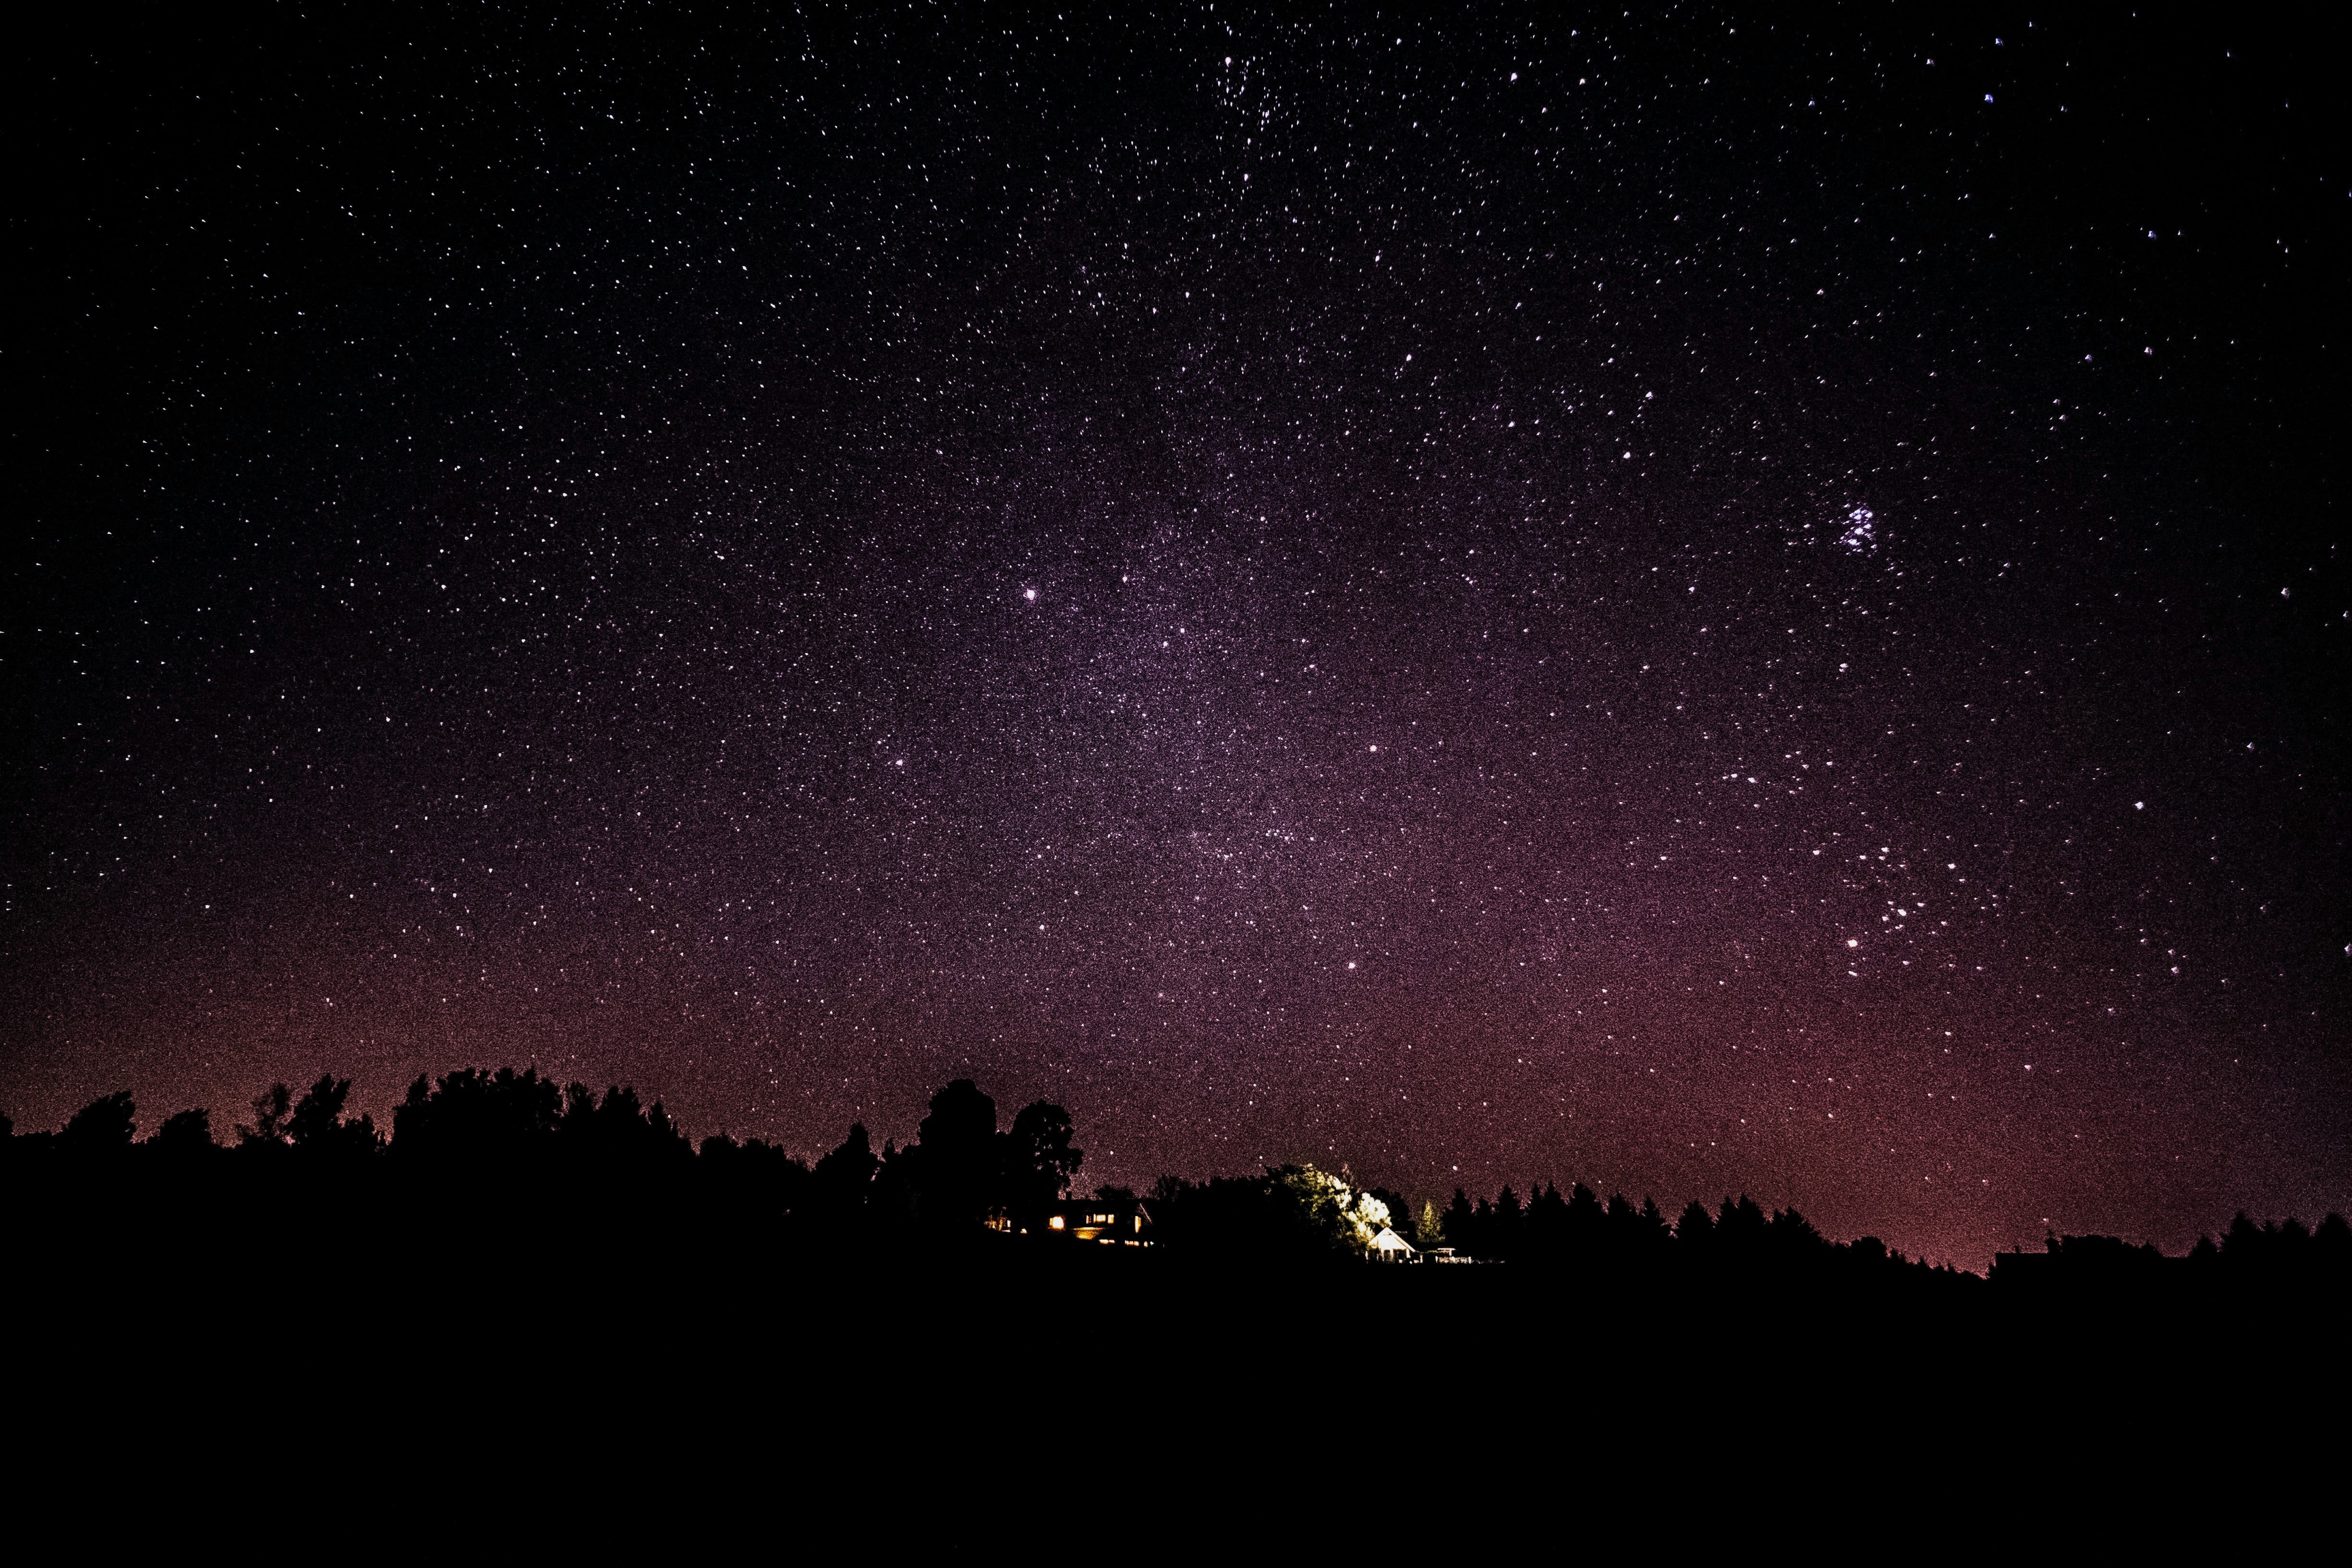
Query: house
column 1390, row 1247
column 1110, row 1222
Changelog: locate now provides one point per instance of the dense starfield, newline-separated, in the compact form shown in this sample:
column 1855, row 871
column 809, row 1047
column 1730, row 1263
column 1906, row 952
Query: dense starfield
column 1690, row 601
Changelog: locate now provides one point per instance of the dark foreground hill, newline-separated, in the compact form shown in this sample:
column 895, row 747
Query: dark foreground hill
column 561, row 1254
column 613, row 1372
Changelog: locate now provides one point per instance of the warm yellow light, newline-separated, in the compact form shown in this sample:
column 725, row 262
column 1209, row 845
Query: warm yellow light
column 1055, row 1222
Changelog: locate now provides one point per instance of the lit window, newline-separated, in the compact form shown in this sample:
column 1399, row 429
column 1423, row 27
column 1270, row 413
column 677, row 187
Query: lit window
column 1055, row 1222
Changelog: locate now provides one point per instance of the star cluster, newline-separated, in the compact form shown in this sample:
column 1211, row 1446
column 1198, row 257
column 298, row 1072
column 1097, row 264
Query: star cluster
column 1695, row 602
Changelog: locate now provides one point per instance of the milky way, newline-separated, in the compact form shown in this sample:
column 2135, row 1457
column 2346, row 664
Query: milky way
column 1679, row 603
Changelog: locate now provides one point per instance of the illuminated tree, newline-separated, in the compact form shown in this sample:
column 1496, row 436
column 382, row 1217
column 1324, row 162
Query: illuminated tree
column 1347, row 1218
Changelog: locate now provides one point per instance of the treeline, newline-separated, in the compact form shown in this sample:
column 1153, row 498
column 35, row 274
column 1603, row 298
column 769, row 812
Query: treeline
column 1580, row 1232
column 1577, row 1230
column 503, row 1155
column 2280, row 1255
column 478, row 1137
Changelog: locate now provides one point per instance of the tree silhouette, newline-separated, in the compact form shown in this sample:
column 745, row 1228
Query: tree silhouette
column 185, row 1133
column 843, row 1180
column 1039, row 1160
column 267, row 1128
column 103, row 1127
column 1739, row 1231
column 317, row 1128
column 478, row 1117
column 1546, row 1226
column 953, row 1170
column 616, row 1135
column 751, row 1185
column 1461, row 1225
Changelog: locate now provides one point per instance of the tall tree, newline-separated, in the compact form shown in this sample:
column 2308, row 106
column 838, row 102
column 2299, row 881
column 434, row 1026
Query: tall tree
column 1460, row 1227
column 1039, row 1159
column 955, row 1167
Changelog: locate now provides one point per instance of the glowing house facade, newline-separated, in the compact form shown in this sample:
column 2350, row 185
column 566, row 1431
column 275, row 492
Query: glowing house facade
column 1121, row 1221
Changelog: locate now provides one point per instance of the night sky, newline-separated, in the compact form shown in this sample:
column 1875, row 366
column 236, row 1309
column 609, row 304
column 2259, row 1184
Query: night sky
column 1688, row 601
